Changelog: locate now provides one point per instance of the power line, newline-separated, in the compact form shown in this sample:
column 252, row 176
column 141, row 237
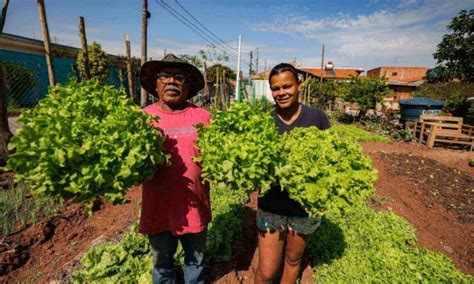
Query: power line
column 196, row 30
column 202, row 25
column 189, row 24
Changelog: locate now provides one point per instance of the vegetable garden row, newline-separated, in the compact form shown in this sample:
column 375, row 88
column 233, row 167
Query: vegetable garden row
column 86, row 141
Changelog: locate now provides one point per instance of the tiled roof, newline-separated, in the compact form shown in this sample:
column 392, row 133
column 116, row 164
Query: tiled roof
column 336, row 73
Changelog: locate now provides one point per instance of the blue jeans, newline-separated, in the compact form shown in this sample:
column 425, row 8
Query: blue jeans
column 164, row 245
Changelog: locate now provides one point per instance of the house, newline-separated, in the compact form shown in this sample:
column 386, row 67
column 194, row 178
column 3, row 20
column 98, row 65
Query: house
column 330, row 72
column 30, row 54
column 402, row 80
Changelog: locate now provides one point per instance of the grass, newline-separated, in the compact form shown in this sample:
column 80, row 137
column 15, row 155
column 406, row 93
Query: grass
column 20, row 207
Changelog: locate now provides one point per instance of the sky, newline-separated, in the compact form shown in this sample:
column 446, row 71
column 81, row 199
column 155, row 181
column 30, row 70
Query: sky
column 362, row 34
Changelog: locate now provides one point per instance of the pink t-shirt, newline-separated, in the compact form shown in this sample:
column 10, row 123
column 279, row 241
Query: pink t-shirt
column 174, row 199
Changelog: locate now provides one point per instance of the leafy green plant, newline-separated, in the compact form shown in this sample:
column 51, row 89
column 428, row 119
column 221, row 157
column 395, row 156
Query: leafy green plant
column 357, row 134
column 128, row 261
column 98, row 63
column 322, row 171
column 403, row 134
column 239, row 148
column 85, row 140
column 362, row 245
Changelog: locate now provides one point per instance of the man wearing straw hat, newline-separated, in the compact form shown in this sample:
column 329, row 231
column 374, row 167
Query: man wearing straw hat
column 175, row 203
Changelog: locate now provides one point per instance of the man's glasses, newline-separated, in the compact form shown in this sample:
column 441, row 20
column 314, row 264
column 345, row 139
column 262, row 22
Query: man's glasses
column 166, row 77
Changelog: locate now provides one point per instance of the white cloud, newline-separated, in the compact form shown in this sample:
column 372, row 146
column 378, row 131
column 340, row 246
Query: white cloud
column 408, row 34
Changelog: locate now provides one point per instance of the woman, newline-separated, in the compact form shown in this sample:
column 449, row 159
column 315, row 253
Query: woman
column 282, row 222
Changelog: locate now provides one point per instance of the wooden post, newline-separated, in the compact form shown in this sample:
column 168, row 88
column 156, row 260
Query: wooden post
column 145, row 15
column 85, row 53
column 129, row 67
column 224, row 93
column 216, row 87
column 46, row 41
column 206, row 86
column 322, row 74
column 4, row 14
column 5, row 133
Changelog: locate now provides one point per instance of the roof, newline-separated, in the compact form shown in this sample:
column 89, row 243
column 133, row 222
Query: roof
column 23, row 44
column 336, row 73
column 409, row 84
column 18, row 43
column 401, row 67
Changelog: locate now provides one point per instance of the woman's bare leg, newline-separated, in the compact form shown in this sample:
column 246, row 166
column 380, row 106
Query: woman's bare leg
column 295, row 246
column 270, row 248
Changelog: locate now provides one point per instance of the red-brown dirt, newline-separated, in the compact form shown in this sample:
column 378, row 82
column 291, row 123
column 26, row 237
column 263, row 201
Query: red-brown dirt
column 436, row 227
column 51, row 250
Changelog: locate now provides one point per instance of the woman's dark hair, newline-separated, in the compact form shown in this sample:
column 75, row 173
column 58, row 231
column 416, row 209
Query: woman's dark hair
column 283, row 67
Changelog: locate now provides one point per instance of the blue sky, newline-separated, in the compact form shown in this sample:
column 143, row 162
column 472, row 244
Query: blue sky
column 363, row 34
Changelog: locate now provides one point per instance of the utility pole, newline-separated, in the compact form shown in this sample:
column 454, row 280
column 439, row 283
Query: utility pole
column 145, row 16
column 256, row 63
column 250, row 67
column 46, row 41
column 265, row 65
column 129, row 67
column 85, row 53
column 206, row 86
column 164, row 52
column 322, row 74
column 237, row 82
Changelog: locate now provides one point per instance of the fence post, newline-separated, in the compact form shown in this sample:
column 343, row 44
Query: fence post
column 47, row 44
column 145, row 16
column 85, row 53
column 129, row 67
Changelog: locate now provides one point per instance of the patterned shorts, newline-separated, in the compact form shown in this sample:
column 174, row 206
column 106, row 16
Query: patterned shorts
column 269, row 222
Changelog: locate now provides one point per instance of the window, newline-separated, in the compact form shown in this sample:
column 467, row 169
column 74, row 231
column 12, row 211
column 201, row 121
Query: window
column 394, row 74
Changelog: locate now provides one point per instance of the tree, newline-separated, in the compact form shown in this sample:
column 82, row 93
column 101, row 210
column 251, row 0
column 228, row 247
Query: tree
column 455, row 53
column 366, row 92
column 212, row 72
column 5, row 133
column 331, row 90
column 98, row 62
column 17, row 85
column 192, row 59
column 213, row 55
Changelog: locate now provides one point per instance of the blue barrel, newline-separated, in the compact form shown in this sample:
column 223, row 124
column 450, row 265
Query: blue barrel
column 411, row 109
